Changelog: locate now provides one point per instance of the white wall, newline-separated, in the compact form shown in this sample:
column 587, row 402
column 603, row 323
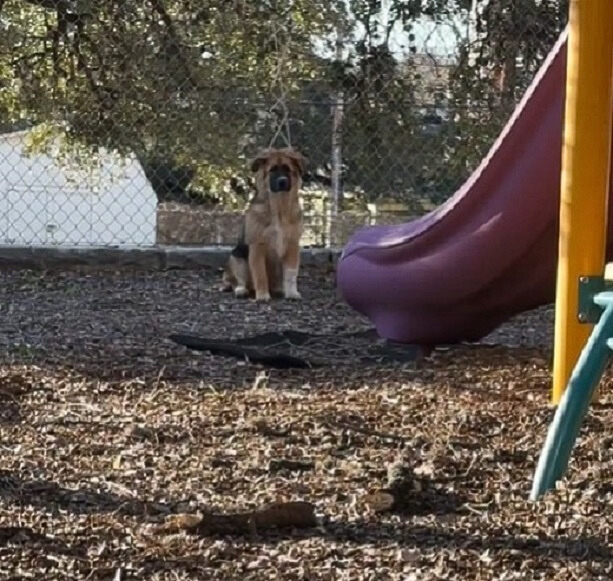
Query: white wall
column 41, row 205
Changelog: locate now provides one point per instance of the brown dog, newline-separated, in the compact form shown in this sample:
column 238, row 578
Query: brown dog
column 266, row 259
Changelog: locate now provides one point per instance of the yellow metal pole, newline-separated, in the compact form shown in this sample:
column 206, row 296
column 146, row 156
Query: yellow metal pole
column 585, row 174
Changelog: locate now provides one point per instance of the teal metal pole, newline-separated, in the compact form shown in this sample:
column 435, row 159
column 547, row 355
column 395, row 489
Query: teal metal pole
column 575, row 401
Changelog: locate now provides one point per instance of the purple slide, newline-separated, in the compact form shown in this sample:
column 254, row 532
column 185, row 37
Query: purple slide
column 487, row 253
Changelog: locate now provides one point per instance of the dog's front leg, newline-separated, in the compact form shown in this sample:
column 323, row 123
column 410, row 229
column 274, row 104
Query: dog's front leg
column 241, row 274
column 257, row 267
column 291, row 264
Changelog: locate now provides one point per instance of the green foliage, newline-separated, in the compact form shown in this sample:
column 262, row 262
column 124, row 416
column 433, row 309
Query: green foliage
column 178, row 79
column 495, row 69
column 194, row 87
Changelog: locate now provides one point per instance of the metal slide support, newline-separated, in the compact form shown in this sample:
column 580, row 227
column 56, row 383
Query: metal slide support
column 575, row 401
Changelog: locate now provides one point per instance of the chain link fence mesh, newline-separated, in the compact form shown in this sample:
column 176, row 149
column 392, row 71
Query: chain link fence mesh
column 131, row 122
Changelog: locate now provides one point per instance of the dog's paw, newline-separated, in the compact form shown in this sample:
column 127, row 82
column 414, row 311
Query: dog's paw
column 293, row 295
column 240, row 292
column 262, row 297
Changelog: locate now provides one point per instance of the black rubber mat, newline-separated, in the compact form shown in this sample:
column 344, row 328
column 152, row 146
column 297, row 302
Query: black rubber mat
column 296, row 349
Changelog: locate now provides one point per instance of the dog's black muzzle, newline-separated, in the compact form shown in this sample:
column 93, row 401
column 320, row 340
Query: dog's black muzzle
column 280, row 179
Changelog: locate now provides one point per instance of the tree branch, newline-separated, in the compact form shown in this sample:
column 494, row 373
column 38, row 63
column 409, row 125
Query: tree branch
column 158, row 6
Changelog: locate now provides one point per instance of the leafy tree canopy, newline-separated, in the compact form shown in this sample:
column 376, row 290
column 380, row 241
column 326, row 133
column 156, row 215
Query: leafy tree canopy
column 196, row 85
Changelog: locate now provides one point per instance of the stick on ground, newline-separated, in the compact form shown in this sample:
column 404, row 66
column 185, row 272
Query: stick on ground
column 279, row 515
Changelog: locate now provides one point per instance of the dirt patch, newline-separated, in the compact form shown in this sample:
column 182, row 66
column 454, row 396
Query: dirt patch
column 108, row 429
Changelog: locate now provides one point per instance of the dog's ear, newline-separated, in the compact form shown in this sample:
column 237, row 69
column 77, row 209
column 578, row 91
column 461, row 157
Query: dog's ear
column 300, row 160
column 259, row 161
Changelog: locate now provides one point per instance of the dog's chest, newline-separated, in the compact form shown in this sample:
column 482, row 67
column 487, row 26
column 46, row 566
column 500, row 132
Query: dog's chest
column 278, row 236
column 284, row 226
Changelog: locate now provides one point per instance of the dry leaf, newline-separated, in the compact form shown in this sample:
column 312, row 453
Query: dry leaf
column 380, row 501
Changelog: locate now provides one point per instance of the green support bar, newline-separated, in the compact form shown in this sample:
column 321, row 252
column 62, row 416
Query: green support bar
column 575, row 402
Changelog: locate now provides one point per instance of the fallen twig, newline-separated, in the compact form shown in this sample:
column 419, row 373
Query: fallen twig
column 279, row 515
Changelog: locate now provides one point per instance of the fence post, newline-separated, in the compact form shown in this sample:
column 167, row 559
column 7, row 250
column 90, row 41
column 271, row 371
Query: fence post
column 337, row 148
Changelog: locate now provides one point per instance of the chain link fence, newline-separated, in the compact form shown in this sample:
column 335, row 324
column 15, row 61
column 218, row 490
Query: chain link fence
column 131, row 123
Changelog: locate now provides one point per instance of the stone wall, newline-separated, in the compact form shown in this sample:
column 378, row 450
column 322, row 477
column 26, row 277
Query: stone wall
column 184, row 225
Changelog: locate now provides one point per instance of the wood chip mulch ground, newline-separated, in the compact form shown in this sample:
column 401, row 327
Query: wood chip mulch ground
column 126, row 456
